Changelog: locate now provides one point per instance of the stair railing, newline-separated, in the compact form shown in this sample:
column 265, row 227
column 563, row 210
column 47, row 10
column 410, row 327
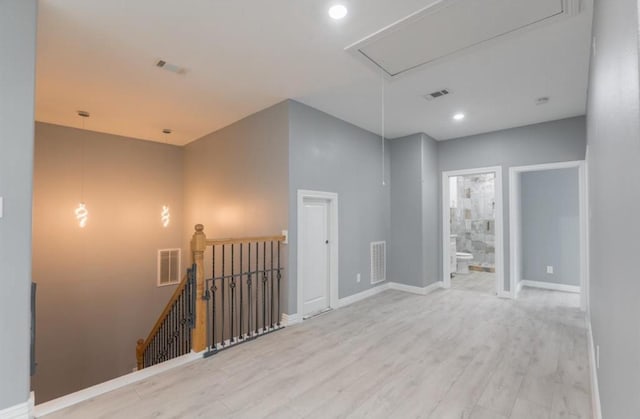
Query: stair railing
column 171, row 336
column 240, row 301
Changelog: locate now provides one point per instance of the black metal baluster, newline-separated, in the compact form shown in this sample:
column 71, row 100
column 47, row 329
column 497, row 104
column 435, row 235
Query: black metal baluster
column 232, row 285
column 213, row 299
column 279, row 277
column 264, row 286
column 271, row 324
column 257, row 287
column 249, row 289
column 222, row 295
column 241, row 335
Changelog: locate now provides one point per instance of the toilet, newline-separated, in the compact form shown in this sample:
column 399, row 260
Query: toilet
column 463, row 260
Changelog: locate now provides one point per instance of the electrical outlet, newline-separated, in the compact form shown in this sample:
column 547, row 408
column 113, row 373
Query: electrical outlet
column 549, row 269
column 597, row 357
column 358, row 277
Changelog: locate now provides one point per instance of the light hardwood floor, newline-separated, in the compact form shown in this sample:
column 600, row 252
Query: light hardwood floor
column 450, row 354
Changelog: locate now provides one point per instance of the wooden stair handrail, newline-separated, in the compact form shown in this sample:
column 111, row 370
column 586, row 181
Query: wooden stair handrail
column 216, row 242
column 142, row 344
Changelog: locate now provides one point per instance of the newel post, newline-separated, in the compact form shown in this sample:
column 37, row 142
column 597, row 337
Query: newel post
column 140, row 353
column 199, row 332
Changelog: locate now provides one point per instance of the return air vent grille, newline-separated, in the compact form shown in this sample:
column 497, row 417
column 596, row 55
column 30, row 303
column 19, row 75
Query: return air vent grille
column 437, row 94
column 168, row 267
column 378, row 261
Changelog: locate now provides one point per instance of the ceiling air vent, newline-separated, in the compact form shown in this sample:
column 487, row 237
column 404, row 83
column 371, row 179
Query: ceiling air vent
column 437, row 94
column 170, row 67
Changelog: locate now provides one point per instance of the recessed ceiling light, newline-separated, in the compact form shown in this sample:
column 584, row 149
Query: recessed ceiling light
column 458, row 116
column 338, row 11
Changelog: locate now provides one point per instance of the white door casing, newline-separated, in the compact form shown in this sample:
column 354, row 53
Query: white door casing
column 317, row 251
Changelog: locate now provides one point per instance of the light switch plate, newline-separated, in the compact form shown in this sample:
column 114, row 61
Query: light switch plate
column 549, row 269
column 1, row 206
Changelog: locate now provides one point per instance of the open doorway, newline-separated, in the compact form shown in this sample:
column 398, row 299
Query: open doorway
column 548, row 235
column 472, row 230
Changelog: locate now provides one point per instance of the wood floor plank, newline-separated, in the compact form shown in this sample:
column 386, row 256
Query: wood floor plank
column 457, row 353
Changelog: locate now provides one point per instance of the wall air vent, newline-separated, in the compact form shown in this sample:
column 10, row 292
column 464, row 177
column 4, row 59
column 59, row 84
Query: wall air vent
column 449, row 27
column 378, row 261
column 437, row 94
column 170, row 67
column 168, row 267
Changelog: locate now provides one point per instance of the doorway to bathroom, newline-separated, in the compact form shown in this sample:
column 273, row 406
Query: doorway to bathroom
column 472, row 230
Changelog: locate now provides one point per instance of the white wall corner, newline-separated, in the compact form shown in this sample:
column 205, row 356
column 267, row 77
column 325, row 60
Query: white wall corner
column 595, row 390
column 416, row 290
column 291, row 319
column 19, row 411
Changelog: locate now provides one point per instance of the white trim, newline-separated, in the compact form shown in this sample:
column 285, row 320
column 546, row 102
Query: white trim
column 446, row 229
column 291, row 319
column 551, row 286
column 19, row 411
column 343, row 302
column 595, row 389
column 515, row 239
column 416, row 290
column 411, row 289
column 114, row 384
column 333, row 243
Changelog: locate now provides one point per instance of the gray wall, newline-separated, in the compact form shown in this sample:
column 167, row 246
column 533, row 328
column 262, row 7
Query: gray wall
column 413, row 250
column 551, row 226
column 556, row 141
column 430, row 211
column 17, row 73
column 406, row 248
column 328, row 154
column 97, row 291
column 614, row 170
column 236, row 179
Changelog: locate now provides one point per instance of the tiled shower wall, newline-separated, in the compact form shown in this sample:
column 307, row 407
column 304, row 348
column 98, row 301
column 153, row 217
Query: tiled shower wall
column 473, row 217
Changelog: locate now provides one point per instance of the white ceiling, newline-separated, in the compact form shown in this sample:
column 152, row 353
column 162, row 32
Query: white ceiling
column 243, row 56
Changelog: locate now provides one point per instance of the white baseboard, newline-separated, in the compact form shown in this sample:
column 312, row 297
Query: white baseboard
column 343, row 302
column 595, row 389
column 116, row 383
column 550, row 286
column 19, row 411
column 415, row 290
column 291, row 319
column 518, row 288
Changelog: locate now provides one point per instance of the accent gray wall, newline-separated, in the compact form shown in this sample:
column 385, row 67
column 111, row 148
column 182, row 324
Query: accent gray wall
column 613, row 128
column 551, row 226
column 406, row 248
column 236, row 180
column 414, row 213
column 549, row 142
column 97, row 291
column 331, row 155
column 17, row 82
column 430, row 211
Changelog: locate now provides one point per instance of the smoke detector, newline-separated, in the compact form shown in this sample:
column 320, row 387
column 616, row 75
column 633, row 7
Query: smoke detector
column 437, row 94
column 170, row 67
column 542, row 100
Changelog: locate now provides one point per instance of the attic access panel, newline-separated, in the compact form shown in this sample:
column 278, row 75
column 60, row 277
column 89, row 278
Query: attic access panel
column 449, row 26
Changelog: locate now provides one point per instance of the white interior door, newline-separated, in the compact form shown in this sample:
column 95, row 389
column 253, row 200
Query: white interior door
column 315, row 256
